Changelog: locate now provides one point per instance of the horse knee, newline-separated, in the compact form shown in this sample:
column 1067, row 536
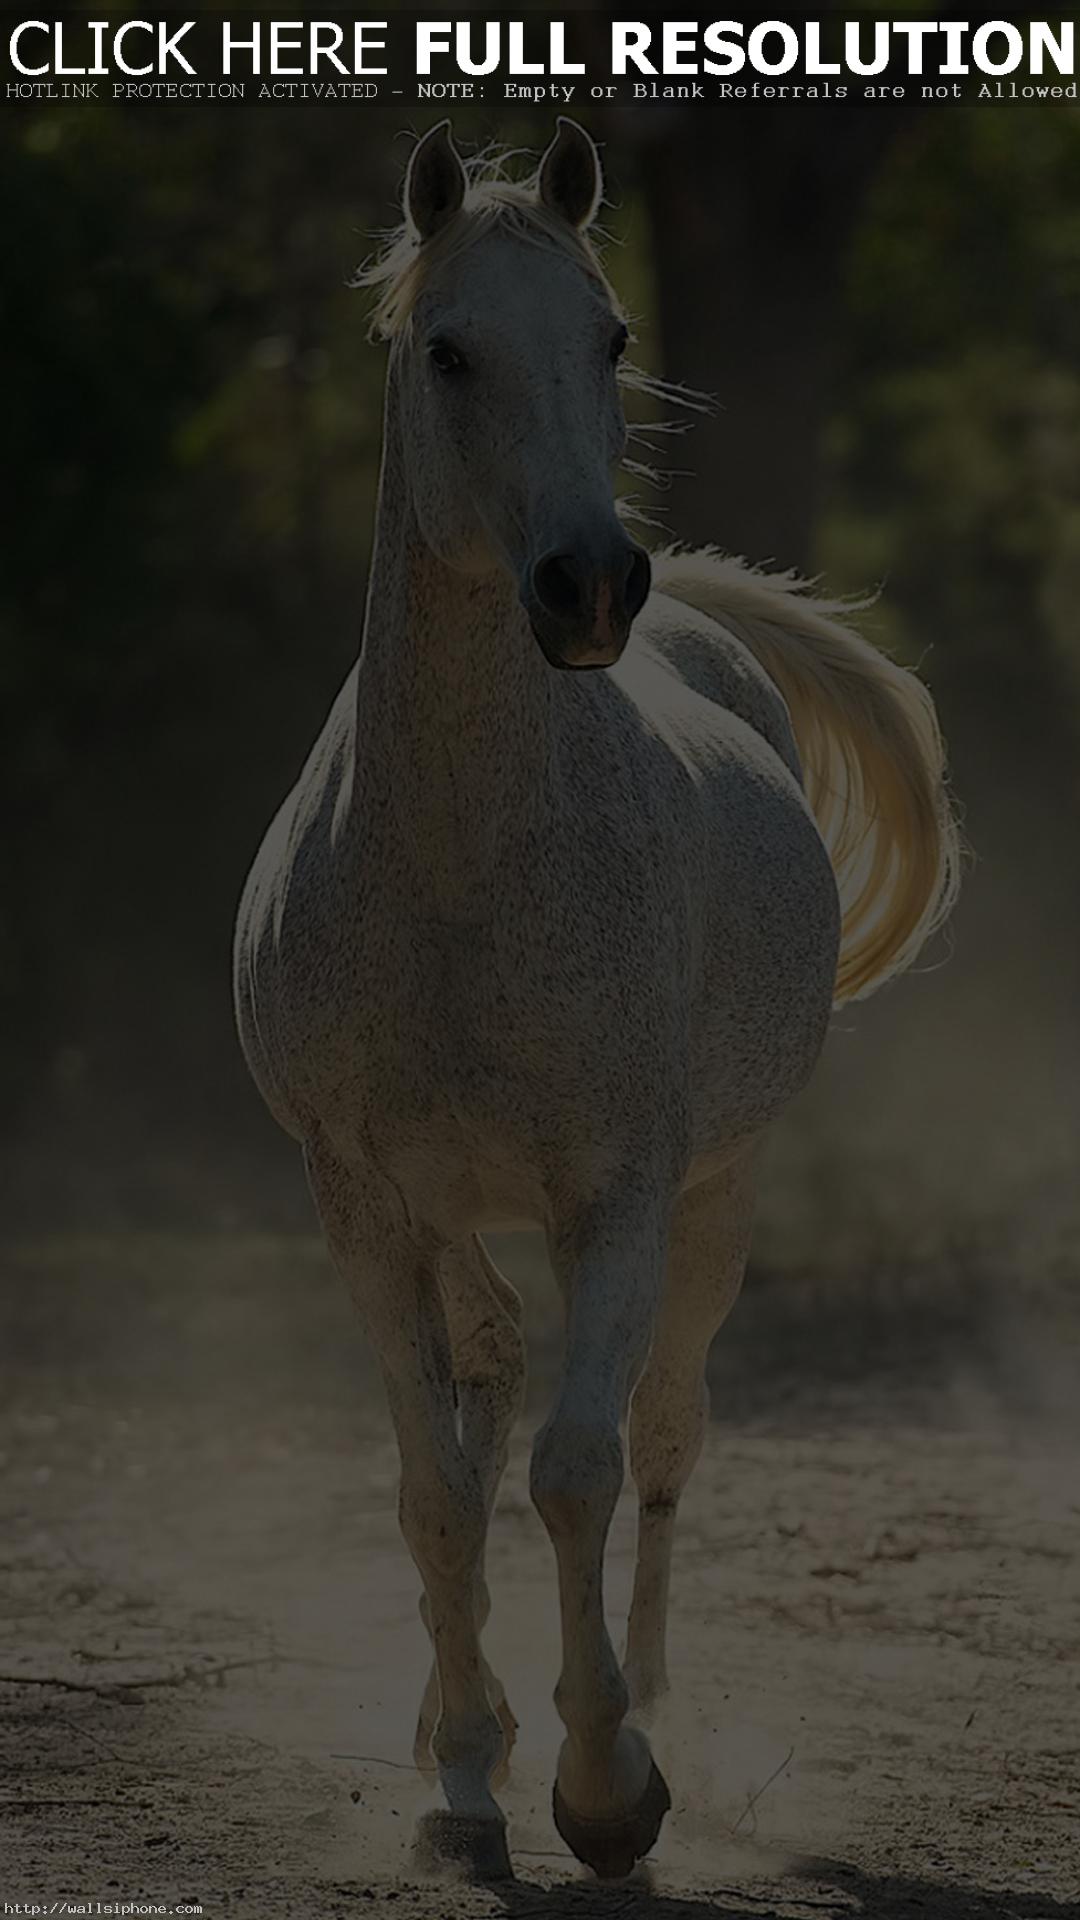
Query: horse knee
column 668, row 1420
column 575, row 1475
column 444, row 1524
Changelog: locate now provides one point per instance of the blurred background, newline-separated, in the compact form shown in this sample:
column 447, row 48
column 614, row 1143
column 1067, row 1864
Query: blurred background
column 886, row 305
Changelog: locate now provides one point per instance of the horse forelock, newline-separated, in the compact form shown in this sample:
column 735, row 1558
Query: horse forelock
column 404, row 265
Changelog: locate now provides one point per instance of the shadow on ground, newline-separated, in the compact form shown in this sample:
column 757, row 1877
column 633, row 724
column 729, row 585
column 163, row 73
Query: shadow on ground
column 831, row 1888
column 828, row 1888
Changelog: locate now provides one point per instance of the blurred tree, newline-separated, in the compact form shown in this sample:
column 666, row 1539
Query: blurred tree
column 194, row 430
column 753, row 212
column 752, row 206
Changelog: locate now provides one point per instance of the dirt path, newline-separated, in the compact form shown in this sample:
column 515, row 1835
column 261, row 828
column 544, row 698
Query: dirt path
column 211, row 1657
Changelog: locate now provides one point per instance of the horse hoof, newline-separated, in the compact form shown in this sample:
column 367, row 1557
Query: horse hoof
column 612, row 1848
column 476, row 1848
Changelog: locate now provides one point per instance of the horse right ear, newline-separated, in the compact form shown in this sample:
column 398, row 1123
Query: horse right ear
column 434, row 183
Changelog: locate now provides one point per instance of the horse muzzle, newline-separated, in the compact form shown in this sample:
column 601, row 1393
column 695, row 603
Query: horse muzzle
column 581, row 605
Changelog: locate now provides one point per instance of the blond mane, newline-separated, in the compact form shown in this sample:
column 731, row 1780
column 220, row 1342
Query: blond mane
column 403, row 266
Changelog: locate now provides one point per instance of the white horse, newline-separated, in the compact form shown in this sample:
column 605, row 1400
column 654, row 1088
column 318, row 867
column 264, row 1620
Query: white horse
column 556, row 947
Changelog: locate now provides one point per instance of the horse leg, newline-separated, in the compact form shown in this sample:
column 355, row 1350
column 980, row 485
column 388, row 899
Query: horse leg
column 609, row 1797
column 710, row 1239
column 442, row 1505
column 483, row 1314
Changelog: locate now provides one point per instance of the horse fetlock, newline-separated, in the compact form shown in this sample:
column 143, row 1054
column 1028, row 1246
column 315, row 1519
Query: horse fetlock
column 607, row 1792
column 468, row 1742
column 592, row 1713
column 509, row 1725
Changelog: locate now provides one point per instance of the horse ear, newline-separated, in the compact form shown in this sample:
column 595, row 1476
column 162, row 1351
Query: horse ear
column 571, row 181
column 434, row 183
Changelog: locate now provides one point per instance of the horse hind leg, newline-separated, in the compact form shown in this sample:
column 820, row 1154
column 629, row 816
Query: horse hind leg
column 483, row 1314
column 443, row 1503
column 710, row 1241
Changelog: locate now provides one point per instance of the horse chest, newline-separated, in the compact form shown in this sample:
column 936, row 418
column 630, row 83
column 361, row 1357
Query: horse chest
column 456, row 1054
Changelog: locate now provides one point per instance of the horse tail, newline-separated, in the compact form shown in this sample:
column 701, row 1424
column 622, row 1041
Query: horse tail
column 872, row 756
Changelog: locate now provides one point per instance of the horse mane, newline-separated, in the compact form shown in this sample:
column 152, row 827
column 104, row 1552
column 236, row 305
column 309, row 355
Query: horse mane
column 403, row 266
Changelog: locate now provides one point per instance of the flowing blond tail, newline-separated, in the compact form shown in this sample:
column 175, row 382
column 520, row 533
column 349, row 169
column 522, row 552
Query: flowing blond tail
column 871, row 751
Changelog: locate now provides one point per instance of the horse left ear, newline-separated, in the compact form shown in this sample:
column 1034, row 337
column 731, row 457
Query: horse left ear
column 434, row 183
column 571, row 182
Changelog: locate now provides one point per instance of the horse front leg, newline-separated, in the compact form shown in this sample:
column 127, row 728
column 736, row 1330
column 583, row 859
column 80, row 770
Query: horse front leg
column 443, row 1503
column 609, row 1796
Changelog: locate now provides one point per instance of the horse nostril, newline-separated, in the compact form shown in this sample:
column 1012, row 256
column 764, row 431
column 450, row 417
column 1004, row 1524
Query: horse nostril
column 638, row 581
column 558, row 584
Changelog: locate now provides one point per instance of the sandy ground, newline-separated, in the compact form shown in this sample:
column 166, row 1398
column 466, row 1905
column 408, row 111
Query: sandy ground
column 212, row 1660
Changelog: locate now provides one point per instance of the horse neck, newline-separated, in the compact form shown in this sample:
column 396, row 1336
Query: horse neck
column 455, row 705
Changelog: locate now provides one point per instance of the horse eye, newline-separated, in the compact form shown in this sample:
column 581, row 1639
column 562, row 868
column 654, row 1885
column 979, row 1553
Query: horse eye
column 619, row 341
column 445, row 357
